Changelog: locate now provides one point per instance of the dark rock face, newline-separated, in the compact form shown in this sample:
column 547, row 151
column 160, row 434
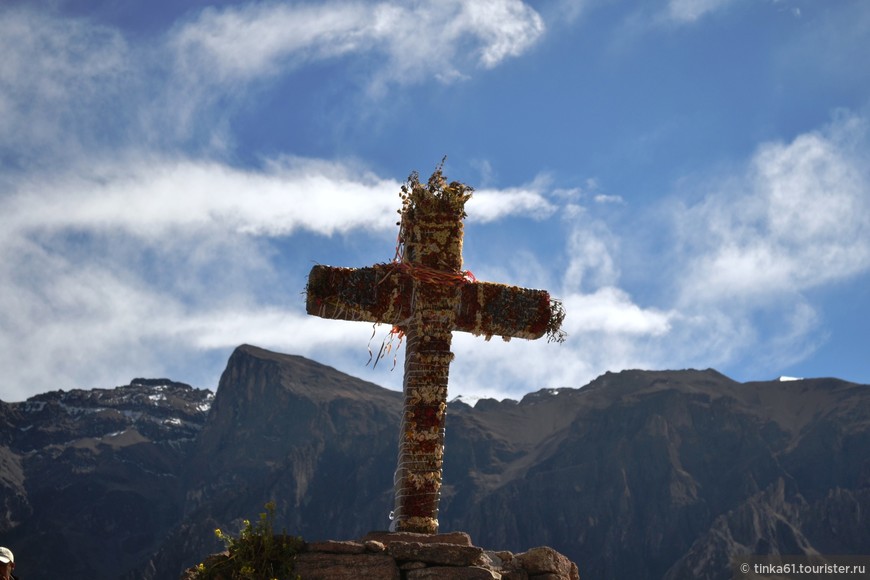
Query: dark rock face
column 89, row 480
column 319, row 443
column 669, row 474
column 664, row 474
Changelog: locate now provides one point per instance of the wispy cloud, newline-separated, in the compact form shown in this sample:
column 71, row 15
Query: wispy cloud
column 153, row 254
column 153, row 196
column 691, row 11
column 119, row 245
column 72, row 85
column 57, row 78
column 123, row 241
column 610, row 310
column 796, row 218
column 528, row 201
column 77, row 286
column 687, row 11
column 412, row 41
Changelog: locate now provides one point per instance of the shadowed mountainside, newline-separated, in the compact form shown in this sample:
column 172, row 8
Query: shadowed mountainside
column 89, row 479
column 641, row 474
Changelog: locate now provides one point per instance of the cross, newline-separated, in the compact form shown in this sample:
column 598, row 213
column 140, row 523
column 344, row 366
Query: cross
column 425, row 295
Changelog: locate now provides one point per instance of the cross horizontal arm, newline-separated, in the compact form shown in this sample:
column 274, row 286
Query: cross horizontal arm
column 378, row 293
column 491, row 309
column 382, row 293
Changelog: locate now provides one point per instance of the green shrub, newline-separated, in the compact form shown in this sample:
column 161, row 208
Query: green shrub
column 257, row 554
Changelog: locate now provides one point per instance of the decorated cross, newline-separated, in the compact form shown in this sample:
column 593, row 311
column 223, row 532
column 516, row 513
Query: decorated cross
column 425, row 295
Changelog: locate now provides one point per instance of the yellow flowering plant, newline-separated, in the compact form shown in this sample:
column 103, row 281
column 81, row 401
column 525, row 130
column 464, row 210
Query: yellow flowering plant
column 256, row 554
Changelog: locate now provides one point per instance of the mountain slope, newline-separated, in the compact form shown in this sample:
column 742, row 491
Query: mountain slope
column 90, row 479
column 641, row 474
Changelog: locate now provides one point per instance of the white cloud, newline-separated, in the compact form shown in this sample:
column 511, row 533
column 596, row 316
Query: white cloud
column 146, row 259
column 253, row 40
column 800, row 218
column 568, row 194
column 796, row 218
column 591, row 264
column 142, row 259
column 487, row 205
column 75, row 288
column 270, row 327
column 70, row 86
column 426, row 38
column 567, row 11
column 610, row 310
column 602, row 198
column 507, row 28
column 606, row 331
column 692, row 10
column 150, row 197
column 61, row 317
column 56, row 76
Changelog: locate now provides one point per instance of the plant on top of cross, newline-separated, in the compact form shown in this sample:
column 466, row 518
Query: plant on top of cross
column 436, row 194
column 432, row 212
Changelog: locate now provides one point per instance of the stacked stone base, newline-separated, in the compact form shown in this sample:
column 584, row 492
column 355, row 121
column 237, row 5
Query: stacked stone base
column 408, row 556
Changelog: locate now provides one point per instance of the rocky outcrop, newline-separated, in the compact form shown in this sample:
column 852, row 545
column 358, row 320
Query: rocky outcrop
column 409, row 556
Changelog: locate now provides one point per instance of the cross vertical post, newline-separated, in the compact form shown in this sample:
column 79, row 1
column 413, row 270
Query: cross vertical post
column 425, row 295
column 431, row 236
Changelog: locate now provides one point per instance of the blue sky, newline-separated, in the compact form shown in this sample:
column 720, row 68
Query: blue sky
column 690, row 177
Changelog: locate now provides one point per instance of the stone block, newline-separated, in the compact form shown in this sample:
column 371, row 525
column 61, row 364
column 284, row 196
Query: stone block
column 336, row 547
column 374, row 546
column 546, row 560
column 458, row 538
column 436, row 554
column 325, row 566
column 453, row 573
column 412, row 565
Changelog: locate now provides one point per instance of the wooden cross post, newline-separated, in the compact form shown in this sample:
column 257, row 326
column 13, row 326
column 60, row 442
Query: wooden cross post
column 425, row 295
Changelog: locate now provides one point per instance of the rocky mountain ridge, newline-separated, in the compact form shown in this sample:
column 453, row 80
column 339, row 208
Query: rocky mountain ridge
column 643, row 474
column 89, row 478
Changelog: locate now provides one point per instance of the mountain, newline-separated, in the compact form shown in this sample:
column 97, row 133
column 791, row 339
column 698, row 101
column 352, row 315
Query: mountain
column 669, row 474
column 90, row 478
column 639, row 474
